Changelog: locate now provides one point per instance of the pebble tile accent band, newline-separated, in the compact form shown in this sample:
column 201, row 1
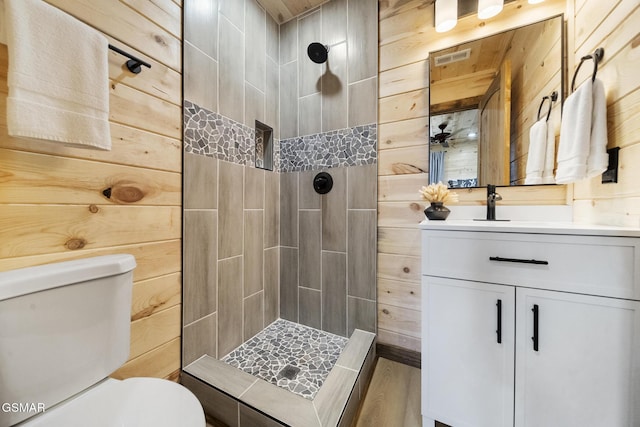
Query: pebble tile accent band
column 208, row 133
column 285, row 344
column 354, row 146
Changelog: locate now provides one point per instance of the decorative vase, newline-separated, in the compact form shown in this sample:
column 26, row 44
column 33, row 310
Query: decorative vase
column 437, row 211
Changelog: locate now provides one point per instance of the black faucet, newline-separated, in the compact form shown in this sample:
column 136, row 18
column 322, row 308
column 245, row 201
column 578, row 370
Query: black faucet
column 492, row 197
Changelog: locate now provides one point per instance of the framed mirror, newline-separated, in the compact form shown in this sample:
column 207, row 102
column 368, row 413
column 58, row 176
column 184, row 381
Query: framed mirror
column 485, row 95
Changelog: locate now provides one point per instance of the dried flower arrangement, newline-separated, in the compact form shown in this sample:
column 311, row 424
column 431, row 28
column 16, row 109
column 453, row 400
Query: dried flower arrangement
column 439, row 192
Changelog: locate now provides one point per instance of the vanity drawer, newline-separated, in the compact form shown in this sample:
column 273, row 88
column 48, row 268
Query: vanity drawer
column 595, row 265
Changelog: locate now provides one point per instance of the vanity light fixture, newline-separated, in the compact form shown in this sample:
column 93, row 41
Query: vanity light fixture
column 446, row 15
column 489, row 8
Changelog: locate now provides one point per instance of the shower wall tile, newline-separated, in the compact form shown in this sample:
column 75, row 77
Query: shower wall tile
column 213, row 401
column 272, row 98
column 362, row 315
column 255, row 44
column 334, row 23
column 289, row 100
column 231, row 69
column 230, row 307
column 334, row 213
column 334, row 89
column 273, row 39
column 362, row 39
column 309, row 245
column 253, row 317
column 334, row 288
column 309, row 199
column 310, row 118
column 199, row 338
column 289, row 209
column 252, row 418
column 362, row 187
column 309, row 31
column 199, row 275
column 202, row 28
column 233, row 10
column 254, row 190
column 253, row 105
column 271, row 210
column 200, row 78
column 362, row 253
column 200, row 182
column 253, row 252
column 311, row 307
column 271, row 285
column 363, row 105
column 289, row 43
column 230, row 194
column 289, row 283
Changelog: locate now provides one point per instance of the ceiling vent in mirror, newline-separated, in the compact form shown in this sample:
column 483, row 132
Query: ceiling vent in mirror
column 448, row 58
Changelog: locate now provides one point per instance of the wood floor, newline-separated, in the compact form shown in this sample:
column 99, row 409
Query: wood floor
column 393, row 397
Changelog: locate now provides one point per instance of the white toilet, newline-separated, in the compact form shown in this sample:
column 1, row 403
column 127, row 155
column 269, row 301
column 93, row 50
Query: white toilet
column 63, row 329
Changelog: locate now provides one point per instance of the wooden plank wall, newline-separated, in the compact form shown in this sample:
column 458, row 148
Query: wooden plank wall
column 612, row 25
column 51, row 202
column 406, row 36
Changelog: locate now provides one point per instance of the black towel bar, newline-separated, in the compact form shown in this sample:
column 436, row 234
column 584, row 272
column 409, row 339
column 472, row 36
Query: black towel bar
column 552, row 98
column 133, row 64
column 597, row 57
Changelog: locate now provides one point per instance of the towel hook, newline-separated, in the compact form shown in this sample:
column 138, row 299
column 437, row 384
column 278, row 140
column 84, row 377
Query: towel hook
column 133, row 64
column 597, row 57
column 552, row 98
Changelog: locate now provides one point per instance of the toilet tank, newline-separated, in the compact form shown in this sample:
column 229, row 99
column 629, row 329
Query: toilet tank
column 63, row 328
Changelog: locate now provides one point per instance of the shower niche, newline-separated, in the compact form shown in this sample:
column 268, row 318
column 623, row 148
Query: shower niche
column 264, row 146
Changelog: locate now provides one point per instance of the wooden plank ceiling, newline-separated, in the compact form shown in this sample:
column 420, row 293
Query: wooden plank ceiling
column 284, row 10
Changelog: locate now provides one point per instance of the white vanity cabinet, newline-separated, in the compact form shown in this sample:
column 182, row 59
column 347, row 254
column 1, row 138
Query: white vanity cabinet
column 530, row 328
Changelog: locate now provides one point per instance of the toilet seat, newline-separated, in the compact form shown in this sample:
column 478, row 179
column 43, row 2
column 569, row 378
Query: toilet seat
column 134, row 402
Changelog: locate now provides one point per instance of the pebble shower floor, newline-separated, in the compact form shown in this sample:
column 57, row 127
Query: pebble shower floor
column 281, row 349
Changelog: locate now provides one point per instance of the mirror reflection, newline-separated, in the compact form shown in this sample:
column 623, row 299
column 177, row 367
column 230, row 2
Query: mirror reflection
column 485, row 96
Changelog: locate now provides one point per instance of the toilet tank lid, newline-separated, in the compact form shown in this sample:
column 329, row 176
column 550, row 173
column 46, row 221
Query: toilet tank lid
column 28, row 280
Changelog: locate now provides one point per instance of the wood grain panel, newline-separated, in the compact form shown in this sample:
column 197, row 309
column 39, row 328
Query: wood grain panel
column 161, row 12
column 401, row 161
column 153, row 331
column 399, row 241
column 129, row 146
column 152, row 259
column 118, row 20
column 161, row 362
column 395, row 188
column 40, row 229
column 404, row 79
column 157, row 294
column 397, row 293
column 404, row 106
column 132, row 107
column 399, row 340
column 399, row 320
column 399, row 267
column 401, row 214
column 403, row 133
column 41, row 179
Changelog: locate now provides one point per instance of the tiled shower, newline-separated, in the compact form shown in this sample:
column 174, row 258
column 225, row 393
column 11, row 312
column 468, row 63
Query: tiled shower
column 261, row 244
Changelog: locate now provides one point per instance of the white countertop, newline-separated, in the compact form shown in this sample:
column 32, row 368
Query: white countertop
column 537, row 227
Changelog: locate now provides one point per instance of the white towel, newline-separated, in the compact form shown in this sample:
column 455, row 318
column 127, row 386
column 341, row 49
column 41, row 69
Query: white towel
column 550, row 153
column 537, row 152
column 582, row 152
column 58, row 76
column 598, row 160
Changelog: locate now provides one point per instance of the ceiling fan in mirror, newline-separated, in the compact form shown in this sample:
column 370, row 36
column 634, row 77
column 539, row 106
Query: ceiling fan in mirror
column 441, row 138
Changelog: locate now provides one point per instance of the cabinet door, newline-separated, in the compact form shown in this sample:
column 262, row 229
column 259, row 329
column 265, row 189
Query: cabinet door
column 467, row 374
column 586, row 368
